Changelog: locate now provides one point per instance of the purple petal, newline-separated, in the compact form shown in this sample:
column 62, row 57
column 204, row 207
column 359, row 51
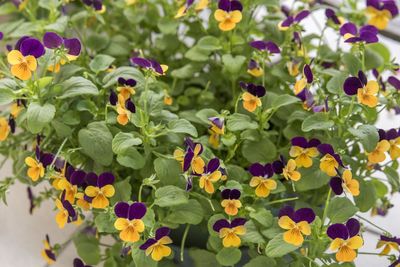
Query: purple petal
column 362, row 77
column 137, row 210
column 337, row 230
column 78, row 263
column 161, row 232
column 50, row 254
column 260, row 45
column 218, row 122
column 32, row 46
column 121, row 209
column 73, row 45
column 348, row 27
column 353, row 227
column 272, row 47
column 287, row 22
column 308, row 73
column 257, row 169
column 299, row 141
column 105, row 178
column 222, row 223
column 19, row 42
column 353, row 40
column 336, row 185
column 113, row 98
column 234, row 194
column 224, row 5
column 256, row 90
column 1, row 36
column 52, row 40
column 226, row 193
column 238, row 222
column 268, row 170
column 129, row 105
column 131, row 82
column 69, row 208
column 304, row 214
column 236, row 5
column 141, row 62
column 77, row 177
column 156, row 66
column 351, row 85
column 287, row 211
column 301, row 15
column 392, row 7
column 252, row 64
column 187, row 160
column 369, row 37
column 148, row 243
column 278, row 166
column 392, row 134
column 394, row 82
column 46, row 159
column 382, row 134
column 121, row 81
column 213, row 165
column 374, row 3
column 189, row 184
column 91, row 179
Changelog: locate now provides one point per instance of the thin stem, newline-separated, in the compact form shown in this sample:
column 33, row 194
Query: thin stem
column 58, row 152
column 140, row 193
column 184, row 240
column 371, row 223
column 328, row 199
column 369, row 253
column 282, row 200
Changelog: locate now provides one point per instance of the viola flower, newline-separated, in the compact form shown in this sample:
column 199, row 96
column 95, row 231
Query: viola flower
column 345, row 240
column 129, row 220
column 297, row 224
column 70, row 184
column 95, row 4
column 330, row 161
column 380, row 12
column 388, row 243
column 4, row 129
column 266, row 46
column 251, row 98
column 47, row 252
column 331, row 15
column 254, row 69
column 230, row 231
column 228, row 14
column 366, row 90
column 124, row 110
column 168, row 100
column 66, row 212
column 394, row 82
column 393, row 137
column 35, row 167
column 192, row 157
column 260, row 180
column 211, row 175
column 149, row 64
column 15, row 109
column 183, row 10
column 378, row 154
column 396, row 263
column 287, row 169
column 303, row 151
column 100, row 189
column 293, row 20
column 21, row 66
column 79, row 263
column 216, row 129
column 231, row 202
column 293, row 68
column 346, row 182
column 351, row 34
column 126, row 87
column 179, row 155
column 157, row 246
column 307, row 78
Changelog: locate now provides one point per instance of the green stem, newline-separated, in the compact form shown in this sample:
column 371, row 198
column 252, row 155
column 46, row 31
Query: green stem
column 328, row 199
column 369, row 253
column 282, row 200
column 140, row 193
column 184, row 240
column 58, row 152
column 371, row 223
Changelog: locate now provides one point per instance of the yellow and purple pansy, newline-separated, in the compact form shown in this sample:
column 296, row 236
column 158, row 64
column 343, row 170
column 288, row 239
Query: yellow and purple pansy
column 251, row 98
column 365, row 90
column 297, row 223
column 330, row 161
column 73, row 179
column 287, row 169
column 79, row 263
column 331, row 16
column 230, row 201
column 100, row 189
column 183, row 10
column 211, row 175
column 268, row 47
column 345, row 183
column 260, row 180
column 380, row 12
column 66, row 212
column 393, row 137
column 254, row 69
column 4, row 128
column 228, row 14
column 156, row 247
column 292, row 20
column 35, row 166
column 48, row 252
column 216, row 129
column 345, row 240
column 97, row 5
column 367, row 33
column 129, row 221
column 192, row 157
column 304, row 151
column 229, row 232
column 126, row 87
column 388, row 243
column 379, row 153
column 306, row 79
column 149, row 64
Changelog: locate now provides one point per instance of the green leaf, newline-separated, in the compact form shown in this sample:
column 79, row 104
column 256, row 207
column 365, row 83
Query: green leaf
column 352, row 63
column 277, row 247
column 283, row 100
column 168, row 25
column 373, row 59
column 335, row 84
column 95, row 141
column 123, row 191
column 341, row 209
column 262, row 216
column 101, row 63
column 368, row 135
column 141, row 259
column 39, row 116
column 6, row 96
column 261, row 261
column 259, row 151
column 240, row 122
column 182, row 126
column 252, row 234
column 317, row 121
column 77, row 86
column 233, row 64
column 209, row 43
column 229, row 256
column 393, row 178
column 203, row 258
column 197, row 54
column 168, row 170
column 88, row 248
column 105, row 223
column 184, row 72
column 367, row 198
column 131, row 158
column 191, row 213
column 311, row 178
column 170, row 196
column 122, row 141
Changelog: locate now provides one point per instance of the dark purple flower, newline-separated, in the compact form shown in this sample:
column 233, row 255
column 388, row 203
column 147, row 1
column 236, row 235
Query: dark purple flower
column 160, row 233
column 394, row 82
column 389, row 5
column 99, row 181
column 11, row 123
column 73, row 45
column 126, row 82
column 290, row 20
column 72, row 216
column 192, row 151
column 367, row 33
column 31, row 46
column 352, row 84
column 303, row 214
column 113, row 98
column 330, row 14
column 279, row 164
column 133, row 211
column 52, row 40
column 230, row 194
column 257, row 169
column 96, row 4
column 307, row 72
column 224, row 223
column 256, row 90
column 79, row 263
column 147, row 64
column 269, row 46
column 344, row 231
column 302, row 142
column 230, row 5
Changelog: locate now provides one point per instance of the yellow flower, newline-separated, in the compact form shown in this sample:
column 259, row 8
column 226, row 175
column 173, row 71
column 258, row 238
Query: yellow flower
column 394, row 149
column 202, row 4
column 100, row 195
column 21, row 67
column 35, row 170
column 256, row 72
column 206, row 181
column 231, row 206
column 349, row 184
column 15, row 109
column 303, row 156
column 230, row 236
column 378, row 18
column 346, row 248
column 388, row 244
column 70, row 190
column 168, row 100
column 123, row 112
column 263, row 185
column 328, row 164
column 300, row 85
column 126, row 91
column 378, row 155
column 47, row 252
column 130, row 229
column 179, row 155
column 250, row 102
column 295, row 232
column 367, row 94
column 62, row 215
column 227, row 20
column 197, row 162
column 81, row 202
column 293, row 68
column 4, row 128
column 289, row 171
column 159, row 249
column 213, row 139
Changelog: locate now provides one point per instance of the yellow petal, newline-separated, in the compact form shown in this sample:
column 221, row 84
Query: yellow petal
column 91, row 191
column 220, row 15
column 355, row 242
column 231, row 240
column 304, row 227
column 21, row 71
column 31, row 62
column 15, row 57
column 286, row 223
column 121, row 224
column 293, row 237
column 345, row 254
column 108, row 190
column 236, row 16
